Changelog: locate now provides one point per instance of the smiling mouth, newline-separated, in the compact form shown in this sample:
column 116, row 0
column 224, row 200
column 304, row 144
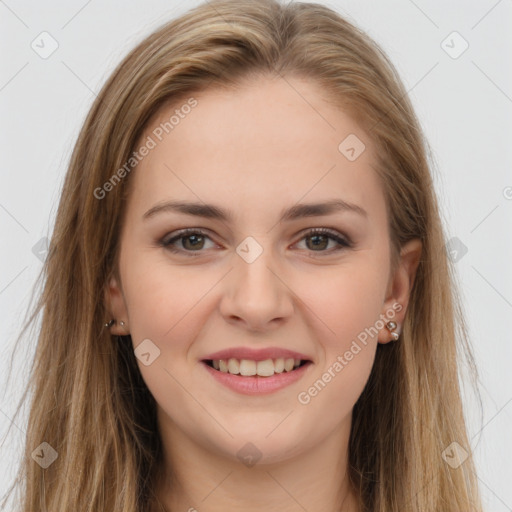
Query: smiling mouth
column 250, row 368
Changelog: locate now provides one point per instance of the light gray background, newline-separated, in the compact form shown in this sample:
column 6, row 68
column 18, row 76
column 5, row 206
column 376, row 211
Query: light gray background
column 464, row 104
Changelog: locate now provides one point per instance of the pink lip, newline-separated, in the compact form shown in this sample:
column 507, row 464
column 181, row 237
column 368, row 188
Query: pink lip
column 256, row 385
column 255, row 354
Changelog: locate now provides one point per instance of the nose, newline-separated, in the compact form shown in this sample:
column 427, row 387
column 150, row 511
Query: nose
column 256, row 295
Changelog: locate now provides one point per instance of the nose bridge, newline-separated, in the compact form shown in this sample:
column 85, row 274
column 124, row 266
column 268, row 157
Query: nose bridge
column 254, row 259
column 255, row 292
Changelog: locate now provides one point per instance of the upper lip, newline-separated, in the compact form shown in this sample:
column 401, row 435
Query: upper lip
column 255, row 354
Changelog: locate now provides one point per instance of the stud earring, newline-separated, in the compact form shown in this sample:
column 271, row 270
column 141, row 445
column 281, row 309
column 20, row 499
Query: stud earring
column 391, row 327
column 112, row 322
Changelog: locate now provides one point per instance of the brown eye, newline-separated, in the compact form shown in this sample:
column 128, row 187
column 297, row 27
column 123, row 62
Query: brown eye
column 196, row 242
column 189, row 240
column 317, row 240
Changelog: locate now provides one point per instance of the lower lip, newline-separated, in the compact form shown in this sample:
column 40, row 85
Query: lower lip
column 256, row 385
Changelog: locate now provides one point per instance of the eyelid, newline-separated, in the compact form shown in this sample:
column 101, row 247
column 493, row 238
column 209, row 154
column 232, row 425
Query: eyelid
column 334, row 233
column 184, row 232
column 167, row 240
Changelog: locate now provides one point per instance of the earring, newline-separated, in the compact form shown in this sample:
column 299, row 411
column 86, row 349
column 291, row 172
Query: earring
column 391, row 327
column 121, row 323
column 111, row 323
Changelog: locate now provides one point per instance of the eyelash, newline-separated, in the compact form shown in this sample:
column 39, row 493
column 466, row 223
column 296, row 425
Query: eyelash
column 343, row 242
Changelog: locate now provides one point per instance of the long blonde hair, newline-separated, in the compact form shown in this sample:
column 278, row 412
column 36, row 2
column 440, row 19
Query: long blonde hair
column 89, row 402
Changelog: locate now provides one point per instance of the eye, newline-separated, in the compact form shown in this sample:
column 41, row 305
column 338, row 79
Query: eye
column 190, row 240
column 319, row 239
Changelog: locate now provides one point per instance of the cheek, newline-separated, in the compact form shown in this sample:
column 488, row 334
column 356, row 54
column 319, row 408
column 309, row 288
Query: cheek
column 169, row 306
column 345, row 300
column 161, row 297
column 347, row 304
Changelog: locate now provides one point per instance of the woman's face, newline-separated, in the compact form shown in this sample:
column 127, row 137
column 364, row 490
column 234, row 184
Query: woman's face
column 259, row 277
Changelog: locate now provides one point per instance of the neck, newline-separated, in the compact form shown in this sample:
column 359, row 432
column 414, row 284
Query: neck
column 197, row 478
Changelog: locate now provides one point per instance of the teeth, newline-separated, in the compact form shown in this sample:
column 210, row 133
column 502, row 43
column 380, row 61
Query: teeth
column 289, row 364
column 265, row 368
column 234, row 366
column 279, row 365
column 247, row 367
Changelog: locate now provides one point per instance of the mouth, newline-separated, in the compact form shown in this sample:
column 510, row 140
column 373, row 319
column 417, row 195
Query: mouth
column 251, row 377
column 251, row 368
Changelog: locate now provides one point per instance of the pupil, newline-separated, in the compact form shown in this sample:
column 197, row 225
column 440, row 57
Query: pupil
column 194, row 244
column 316, row 237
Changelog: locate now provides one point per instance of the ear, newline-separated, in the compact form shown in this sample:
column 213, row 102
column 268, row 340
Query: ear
column 116, row 306
column 400, row 286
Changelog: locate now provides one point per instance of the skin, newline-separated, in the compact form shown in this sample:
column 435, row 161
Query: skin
column 257, row 150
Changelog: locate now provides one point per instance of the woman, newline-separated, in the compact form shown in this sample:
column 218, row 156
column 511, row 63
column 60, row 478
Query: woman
column 247, row 299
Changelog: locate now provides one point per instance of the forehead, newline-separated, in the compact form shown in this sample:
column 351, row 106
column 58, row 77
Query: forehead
column 271, row 139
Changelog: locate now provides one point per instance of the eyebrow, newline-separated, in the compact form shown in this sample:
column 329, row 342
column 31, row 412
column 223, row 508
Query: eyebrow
column 296, row 211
